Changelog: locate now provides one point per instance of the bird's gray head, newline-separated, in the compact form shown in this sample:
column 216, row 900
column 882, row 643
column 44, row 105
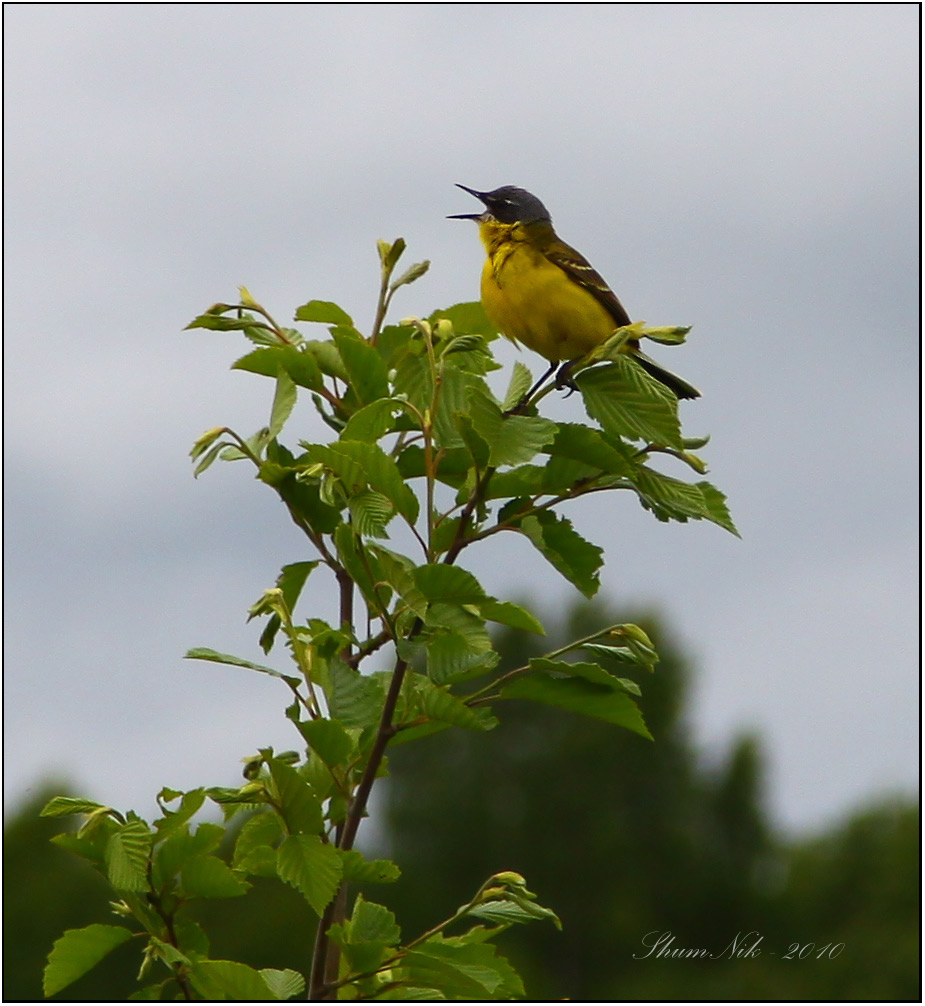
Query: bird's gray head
column 508, row 205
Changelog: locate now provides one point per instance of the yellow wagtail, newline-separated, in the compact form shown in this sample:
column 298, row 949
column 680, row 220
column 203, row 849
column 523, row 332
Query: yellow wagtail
column 540, row 291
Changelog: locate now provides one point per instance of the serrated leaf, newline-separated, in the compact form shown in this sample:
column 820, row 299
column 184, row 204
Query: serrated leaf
column 323, row 311
column 312, row 867
column 219, row 980
column 209, row 877
column 468, row 318
column 464, row 971
column 283, row 984
column 511, row 440
column 366, row 369
column 253, row 850
column 521, row 381
column 373, row 923
column 359, row 870
column 524, row 480
column 671, row 499
column 370, row 512
column 508, row 613
column 438, row 704
column 372, row 421
column 77, row 951
column 62, row 806
column 359, row 465
column 127, row 856
column 451, row 657
column 586, row 670
column 299, row 364
column 577, row 695
column 581, row 443
column 574, row 557
column 440, row 582
column 174, row 820
column 300, row 808
column 355, row 700
column 627, row 402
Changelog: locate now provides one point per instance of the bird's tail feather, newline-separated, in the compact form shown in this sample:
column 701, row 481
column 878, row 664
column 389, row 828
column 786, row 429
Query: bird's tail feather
column 671, row 381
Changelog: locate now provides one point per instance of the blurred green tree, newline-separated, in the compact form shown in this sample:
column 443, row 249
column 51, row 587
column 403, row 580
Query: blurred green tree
column 627, row 838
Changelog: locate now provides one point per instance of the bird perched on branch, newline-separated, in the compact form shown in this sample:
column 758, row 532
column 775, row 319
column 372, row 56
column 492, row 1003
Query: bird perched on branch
column 540, row 291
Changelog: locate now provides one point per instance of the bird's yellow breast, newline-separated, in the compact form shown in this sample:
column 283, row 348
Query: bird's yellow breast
column 533, row 301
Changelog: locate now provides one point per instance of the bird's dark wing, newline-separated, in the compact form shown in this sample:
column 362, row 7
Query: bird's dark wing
column 575, row 265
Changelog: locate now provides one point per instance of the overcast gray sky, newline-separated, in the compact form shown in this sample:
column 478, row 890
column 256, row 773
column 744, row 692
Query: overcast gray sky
column 750, row 169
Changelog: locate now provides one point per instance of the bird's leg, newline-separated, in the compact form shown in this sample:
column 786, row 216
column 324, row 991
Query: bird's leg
column 537, row 384
column 564, row 377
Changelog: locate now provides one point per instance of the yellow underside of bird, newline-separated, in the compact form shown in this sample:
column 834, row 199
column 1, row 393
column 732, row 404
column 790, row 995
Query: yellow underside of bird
column 533, row 301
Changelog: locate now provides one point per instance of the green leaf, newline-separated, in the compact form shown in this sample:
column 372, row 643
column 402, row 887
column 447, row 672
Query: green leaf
column 359, row 870
column 355, row 700
column 312, row 867
column 172, row 855
column 127, row 856
column 452, row 657
column 581, row 443
column 300, row 808
column 366, row 369
column 670, row 336
column 581, row 669
column 209, row 877
column 216, row 981
column 452, row 401
column 521, row 381
column 578, row 695
column 299, row 364
column 372, row 923
column 574, row 557
column 439, row 704
column 62, row 806
column 302, row 499
column 173, row 820
column 525, row 480
column 671, row 499
column 329, row 740
column 360, row 466
column 463, row 971
column 283, row 984
column 253, row 850
column 372, row 421
column 204, row 653
column 627, row 402
column 292, row 579
column 439, row 582
column 327, row 357
column 283, row 403
column 77, row 951
column 508, row 613
column 323, row 311
column 468, row 318
column 370, row 513
column 512, row 440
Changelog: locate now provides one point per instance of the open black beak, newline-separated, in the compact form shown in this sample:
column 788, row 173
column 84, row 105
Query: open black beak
column 468, row 216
